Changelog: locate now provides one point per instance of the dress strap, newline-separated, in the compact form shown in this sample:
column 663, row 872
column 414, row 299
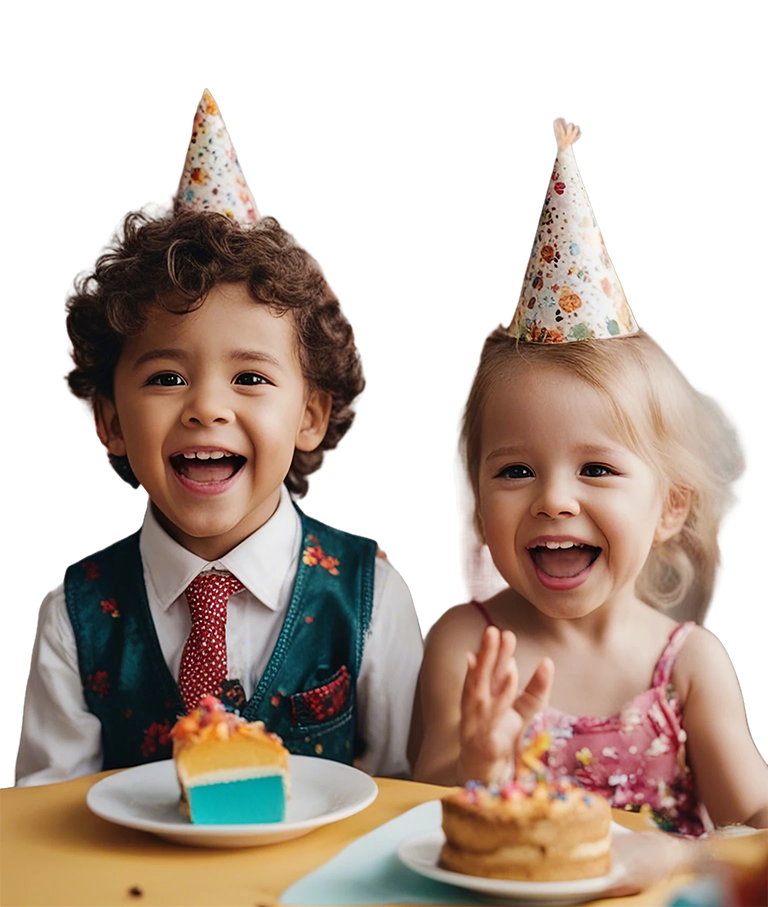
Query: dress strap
column 663, row 670
column 485, row 612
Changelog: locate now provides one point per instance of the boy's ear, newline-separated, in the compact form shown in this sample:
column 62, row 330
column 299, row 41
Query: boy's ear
column 317, row 412
column 677, row 506
column 108, row 426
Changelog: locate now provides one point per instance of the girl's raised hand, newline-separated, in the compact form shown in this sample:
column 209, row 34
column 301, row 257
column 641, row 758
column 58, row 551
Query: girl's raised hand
column 493, row 715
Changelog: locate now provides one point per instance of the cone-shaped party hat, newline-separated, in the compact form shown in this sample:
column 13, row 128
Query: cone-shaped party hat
column 571, row 291
column 212, row 179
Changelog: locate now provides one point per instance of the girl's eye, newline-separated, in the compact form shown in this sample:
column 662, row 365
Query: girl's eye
column 166, row 379
column 596, row 471
column 516, row 471
column 250, row 379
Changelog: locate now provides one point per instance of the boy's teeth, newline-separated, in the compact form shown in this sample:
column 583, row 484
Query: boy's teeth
column 554, row 545
column 206, row 455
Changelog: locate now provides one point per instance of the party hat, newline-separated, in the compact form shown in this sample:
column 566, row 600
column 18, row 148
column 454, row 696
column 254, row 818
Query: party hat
column 571, row 291
column 212, row 179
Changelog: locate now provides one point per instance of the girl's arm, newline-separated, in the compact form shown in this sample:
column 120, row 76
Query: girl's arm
column 731, row 776
column 437, row 712
column 470, row 709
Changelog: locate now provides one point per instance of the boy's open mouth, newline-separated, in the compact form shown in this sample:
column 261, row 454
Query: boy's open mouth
column 563, row 559
column 207, row 465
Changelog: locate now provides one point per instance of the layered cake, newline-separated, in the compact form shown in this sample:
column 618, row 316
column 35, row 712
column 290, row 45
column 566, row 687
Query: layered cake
column 531, row 828
column 231, row 771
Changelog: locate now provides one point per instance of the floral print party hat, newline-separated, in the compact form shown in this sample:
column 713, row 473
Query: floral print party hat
column 570, row 291
column 212, row 179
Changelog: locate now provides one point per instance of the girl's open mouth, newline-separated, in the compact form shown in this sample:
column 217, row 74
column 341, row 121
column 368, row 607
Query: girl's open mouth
column 563, row 559
column 207, row 466
column 563, row 565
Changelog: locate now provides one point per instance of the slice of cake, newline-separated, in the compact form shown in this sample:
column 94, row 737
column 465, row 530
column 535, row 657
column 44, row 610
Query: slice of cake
column 231, row 771
column 530, row 829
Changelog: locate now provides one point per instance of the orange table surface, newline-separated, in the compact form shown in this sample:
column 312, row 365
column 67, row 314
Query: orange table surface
column 54, row 851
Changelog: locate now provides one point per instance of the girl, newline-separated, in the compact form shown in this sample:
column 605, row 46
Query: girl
column 599, row 478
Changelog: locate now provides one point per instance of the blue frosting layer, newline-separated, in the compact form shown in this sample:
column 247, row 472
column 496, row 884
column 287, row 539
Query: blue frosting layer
column 244, row 802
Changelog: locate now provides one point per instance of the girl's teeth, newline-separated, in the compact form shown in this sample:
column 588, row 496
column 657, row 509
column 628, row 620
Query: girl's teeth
column 554, row 545
column 217, row 454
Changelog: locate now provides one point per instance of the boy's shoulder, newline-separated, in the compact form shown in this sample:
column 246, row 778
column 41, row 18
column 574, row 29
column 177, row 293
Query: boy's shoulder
column 327, row 545
column 120, row 547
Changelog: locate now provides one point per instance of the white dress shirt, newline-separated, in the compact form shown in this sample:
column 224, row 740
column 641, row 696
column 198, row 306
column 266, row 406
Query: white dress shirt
column 61, row 739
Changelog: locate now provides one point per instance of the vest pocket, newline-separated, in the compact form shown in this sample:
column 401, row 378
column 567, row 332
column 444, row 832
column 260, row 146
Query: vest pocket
column 315, row 733
column 323, row 706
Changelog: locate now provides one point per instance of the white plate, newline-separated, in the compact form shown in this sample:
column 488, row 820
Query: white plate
column 422, row 854
column 147, row 797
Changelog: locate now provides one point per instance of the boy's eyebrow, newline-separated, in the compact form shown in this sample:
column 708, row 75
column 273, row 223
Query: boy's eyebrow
column 159, row 354
column 509, row 451
column 235, row 356
column 254, row 355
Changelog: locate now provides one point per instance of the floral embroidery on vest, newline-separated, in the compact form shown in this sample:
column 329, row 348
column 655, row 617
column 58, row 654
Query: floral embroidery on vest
column 109, row 606
column 157, row 736
column 313, row 554
column 97, row 682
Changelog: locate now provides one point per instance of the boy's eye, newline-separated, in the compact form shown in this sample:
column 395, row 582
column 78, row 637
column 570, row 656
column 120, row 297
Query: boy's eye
column 596, row 471
column 516, row 471
column 251, row 379
column 166, row 379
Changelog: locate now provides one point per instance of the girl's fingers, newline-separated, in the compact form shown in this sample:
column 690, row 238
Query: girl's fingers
column 535, row 696
column 486, row 660
column 540, row 685
column 506, row 692
column 504, row 661
column 469, row 690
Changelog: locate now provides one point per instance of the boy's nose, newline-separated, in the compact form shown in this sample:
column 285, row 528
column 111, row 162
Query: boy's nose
column 206, row 407
column 555, row 500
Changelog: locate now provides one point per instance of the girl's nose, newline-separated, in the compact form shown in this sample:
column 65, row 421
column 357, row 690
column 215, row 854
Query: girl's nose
column 556, row 499
column 206, row 406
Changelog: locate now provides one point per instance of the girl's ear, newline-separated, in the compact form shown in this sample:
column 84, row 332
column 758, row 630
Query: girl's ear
column 677, row 506
column 480, row 578
column 317, row 412
column 108, row 426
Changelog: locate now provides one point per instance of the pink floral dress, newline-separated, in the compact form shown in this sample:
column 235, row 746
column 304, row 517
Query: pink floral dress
column 636, row 758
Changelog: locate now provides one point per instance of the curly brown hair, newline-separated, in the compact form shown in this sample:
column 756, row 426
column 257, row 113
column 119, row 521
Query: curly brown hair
column 173, row 262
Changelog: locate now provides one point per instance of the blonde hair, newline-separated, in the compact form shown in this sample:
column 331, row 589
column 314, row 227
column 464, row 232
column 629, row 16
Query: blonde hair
column 682, row 434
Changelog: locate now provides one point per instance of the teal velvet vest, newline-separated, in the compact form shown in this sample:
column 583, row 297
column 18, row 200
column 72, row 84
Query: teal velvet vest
column 307, row 691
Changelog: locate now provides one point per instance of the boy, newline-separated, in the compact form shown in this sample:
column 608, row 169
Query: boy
column 220, row 368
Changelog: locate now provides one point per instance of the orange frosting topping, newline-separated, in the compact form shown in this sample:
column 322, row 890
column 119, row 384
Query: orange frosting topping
column 210, row 720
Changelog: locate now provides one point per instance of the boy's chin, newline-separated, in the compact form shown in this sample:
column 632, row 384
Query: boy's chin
column 212, row 534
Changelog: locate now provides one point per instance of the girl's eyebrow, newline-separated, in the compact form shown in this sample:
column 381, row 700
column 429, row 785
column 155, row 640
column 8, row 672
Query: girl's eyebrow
column 514, row 450
column 600, row 450
column 235, row 356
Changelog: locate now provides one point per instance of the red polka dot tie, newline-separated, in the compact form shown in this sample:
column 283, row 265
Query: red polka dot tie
column 204, row 659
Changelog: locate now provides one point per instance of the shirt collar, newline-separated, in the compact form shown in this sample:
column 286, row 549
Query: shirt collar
column 261, row 562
